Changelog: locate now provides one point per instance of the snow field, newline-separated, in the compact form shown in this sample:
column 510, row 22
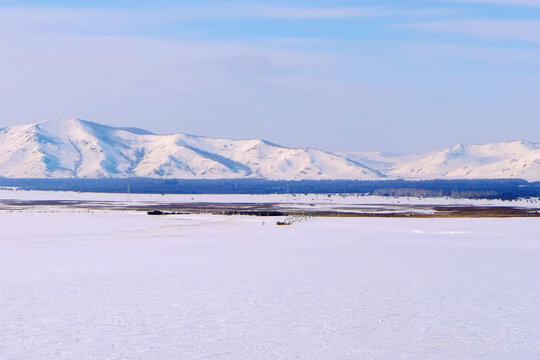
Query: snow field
column 124, row 285
column 319, row 200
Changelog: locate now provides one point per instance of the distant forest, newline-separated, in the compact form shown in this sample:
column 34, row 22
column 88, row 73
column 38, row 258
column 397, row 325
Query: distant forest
column 507, row 189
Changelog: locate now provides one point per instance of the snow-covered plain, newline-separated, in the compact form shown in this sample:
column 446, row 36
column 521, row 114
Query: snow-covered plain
column 124, row 285
column 319, row 200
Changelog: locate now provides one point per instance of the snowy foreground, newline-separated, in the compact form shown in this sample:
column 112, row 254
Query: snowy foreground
column 124, row 285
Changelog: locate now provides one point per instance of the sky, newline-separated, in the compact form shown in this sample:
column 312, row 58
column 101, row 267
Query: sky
column 399, row 76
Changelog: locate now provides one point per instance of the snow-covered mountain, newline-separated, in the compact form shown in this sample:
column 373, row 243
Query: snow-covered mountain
column 378, row 160
column 78, row 148
column 514, row 159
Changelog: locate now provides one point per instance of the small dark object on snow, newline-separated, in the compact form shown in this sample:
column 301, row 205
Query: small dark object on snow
column 283, row 223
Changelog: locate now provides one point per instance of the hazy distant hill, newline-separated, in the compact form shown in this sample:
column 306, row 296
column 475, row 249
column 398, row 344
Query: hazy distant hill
column 514, row 159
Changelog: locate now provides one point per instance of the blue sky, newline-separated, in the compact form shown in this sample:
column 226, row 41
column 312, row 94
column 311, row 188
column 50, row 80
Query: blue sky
column 340, row 75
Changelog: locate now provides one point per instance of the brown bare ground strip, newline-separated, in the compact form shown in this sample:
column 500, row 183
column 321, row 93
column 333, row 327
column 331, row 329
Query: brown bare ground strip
column 275, row 209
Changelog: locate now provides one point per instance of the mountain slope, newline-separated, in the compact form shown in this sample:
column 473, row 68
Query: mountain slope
column 78, row 148
column 516, row 159
column 378, row 160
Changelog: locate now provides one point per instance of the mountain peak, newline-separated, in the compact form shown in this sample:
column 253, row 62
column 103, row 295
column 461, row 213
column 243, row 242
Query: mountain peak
column 510, row 159
column 80, row 148
column 60, row 125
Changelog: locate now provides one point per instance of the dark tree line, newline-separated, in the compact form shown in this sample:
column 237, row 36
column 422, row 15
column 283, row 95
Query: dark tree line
column 506, row 189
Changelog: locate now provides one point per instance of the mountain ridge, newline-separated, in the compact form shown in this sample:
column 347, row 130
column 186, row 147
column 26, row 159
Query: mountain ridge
column 499, row 160
column 80, row 148
column 75, row 148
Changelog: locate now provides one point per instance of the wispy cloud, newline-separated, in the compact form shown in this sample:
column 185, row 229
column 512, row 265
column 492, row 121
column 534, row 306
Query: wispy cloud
column 533, row 3
column 247, row 69
column 315, row 13
column 220, row 10
column 284, row 12
column 490, row 29
column 485, row 55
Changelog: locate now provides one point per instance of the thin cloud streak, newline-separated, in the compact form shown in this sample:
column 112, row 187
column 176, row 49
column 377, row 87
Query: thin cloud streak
column 509, row 30
column 316, row 13
column 277, row 12
column 185, row 69
column 491, row 55
column 225, row 10
column 532, row 3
